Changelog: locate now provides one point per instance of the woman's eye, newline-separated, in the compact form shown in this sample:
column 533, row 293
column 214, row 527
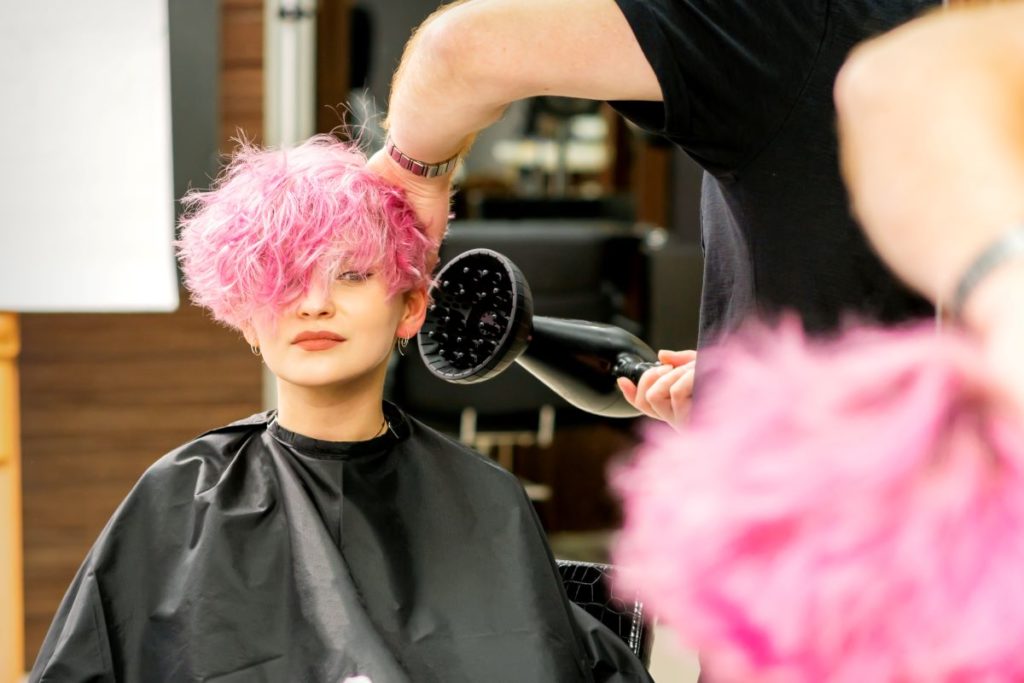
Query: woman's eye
column 354, row 276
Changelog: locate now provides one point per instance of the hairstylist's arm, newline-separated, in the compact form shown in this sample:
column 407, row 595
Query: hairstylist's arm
column 932, row 131
column 470, row 60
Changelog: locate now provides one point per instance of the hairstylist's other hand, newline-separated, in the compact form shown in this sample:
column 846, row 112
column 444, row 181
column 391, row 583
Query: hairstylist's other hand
column 665, row 392
column 430, row 197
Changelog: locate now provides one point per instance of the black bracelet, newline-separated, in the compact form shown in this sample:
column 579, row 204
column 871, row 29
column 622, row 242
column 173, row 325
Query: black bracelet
column 1009, row 244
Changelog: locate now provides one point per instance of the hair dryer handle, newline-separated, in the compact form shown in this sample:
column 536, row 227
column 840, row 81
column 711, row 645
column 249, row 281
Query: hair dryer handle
column 631, row 366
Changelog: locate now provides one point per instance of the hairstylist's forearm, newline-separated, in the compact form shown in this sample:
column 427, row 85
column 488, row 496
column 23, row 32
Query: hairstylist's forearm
column 932, row 123
column 469, row 61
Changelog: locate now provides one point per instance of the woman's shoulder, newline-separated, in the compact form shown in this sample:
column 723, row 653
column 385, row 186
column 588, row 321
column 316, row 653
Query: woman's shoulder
column 163, row 503
column 198, row 464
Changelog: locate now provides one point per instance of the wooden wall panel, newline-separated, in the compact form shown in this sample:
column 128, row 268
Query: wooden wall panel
column 333, row 49
column 241, row 92
column 12, row 585
column 102, row 397
column 242, row 106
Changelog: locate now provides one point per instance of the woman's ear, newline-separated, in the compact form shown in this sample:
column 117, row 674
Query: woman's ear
column 415, row 313
column 249, row 333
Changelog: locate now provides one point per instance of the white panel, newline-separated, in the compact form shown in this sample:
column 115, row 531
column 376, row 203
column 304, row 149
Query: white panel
column 87, row 212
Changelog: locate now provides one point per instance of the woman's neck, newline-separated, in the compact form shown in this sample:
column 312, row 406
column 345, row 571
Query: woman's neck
column 346, row 412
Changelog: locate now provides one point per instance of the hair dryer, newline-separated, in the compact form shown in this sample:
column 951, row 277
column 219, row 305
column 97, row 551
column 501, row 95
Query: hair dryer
column 481, row 320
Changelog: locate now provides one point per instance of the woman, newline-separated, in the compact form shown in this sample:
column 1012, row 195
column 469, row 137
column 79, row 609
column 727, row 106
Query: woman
column 334, row 538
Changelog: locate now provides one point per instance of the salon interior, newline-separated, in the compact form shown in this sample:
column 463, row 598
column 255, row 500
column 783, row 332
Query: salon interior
column 600, row 218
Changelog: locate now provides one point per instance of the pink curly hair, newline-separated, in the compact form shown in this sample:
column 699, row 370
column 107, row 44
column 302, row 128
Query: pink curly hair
column 280, row 221
column 836, row 512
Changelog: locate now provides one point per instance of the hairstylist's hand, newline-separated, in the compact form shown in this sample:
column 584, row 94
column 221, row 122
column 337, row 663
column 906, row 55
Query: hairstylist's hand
column 665, row 392
column 430, row 197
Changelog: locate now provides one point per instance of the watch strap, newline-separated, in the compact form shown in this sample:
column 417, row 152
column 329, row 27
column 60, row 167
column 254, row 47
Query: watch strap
column 416, row 167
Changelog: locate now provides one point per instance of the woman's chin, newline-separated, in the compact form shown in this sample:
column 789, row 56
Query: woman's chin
column 320, row 380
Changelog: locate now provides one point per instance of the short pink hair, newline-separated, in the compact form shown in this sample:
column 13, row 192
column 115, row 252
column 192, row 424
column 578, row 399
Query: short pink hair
column 842, row 512
column 278, row 222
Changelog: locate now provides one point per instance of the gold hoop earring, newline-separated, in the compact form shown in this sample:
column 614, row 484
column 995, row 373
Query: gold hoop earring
column 403, row 342
column 255, row 350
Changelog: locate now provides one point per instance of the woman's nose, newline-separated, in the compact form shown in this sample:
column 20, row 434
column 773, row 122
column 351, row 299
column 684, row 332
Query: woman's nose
column 314, row 304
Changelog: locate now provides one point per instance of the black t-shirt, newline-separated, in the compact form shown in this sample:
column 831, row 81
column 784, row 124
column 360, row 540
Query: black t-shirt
column 747, row 88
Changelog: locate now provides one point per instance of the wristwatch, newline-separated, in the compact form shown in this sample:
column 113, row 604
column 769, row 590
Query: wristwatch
column 419, row 168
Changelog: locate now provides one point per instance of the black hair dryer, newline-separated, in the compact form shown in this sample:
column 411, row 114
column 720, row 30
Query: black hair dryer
column 481, row 320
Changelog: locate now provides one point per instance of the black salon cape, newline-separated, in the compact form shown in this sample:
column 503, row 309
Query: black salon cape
column 254, row 554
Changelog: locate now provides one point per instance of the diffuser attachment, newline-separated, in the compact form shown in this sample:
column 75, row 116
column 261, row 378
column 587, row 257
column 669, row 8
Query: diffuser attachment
column 481, row 320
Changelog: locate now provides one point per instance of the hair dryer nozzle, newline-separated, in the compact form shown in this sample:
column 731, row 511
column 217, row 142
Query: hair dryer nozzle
column 479, row 318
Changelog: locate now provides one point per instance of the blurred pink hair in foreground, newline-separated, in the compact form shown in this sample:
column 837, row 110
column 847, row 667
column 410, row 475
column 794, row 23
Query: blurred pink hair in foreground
column 849, row 511
column 278, row 222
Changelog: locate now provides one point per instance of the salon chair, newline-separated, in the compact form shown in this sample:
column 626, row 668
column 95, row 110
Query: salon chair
column 586, row 584
column 591, row 270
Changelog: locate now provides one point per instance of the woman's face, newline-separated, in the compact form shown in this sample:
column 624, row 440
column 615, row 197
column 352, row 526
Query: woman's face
column 343, row 334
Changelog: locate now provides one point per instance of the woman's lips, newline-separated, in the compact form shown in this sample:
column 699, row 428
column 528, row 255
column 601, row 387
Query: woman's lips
column 321, row 344
column 317, row 341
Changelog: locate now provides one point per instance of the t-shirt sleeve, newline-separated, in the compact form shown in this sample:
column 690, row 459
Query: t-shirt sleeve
column 730, row 70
